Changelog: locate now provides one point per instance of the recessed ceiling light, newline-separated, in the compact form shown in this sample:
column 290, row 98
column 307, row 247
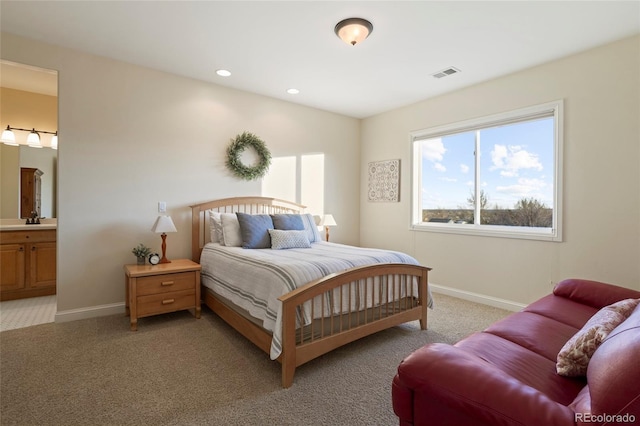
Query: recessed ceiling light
column 223, row 73
column 293, row 91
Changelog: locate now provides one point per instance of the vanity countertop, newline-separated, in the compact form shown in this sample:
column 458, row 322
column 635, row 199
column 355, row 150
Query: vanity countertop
column 20, row 225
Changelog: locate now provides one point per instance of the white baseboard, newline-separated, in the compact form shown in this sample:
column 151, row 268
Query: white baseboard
column 478, row 298
column 118, row 308
column 90, row 312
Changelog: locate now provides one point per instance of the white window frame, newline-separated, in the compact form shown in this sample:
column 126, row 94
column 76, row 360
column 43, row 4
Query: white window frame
column 554, row 233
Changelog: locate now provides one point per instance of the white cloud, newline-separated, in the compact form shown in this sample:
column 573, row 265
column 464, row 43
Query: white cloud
column 524, row 188
column 510, row 159
column 433, row 150
column 498, row 156
column 448, row 179
column 464, row 168
column 440, row 167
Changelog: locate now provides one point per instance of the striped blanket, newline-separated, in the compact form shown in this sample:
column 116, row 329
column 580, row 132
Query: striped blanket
column 254, row 279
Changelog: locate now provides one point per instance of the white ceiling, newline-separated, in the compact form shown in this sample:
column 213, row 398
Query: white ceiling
column 270, row 46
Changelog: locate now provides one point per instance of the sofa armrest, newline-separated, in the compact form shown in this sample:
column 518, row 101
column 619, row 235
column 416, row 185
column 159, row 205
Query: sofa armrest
column 443, row 380
column 593, row 293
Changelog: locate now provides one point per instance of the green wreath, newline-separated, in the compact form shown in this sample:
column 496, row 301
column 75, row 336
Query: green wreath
column 238, row 145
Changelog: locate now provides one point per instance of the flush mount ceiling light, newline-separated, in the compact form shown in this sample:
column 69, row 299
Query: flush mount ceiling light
column 223, row 73
column 353, row 30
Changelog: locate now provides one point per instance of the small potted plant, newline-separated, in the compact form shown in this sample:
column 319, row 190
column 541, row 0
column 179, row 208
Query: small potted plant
column 141, row 252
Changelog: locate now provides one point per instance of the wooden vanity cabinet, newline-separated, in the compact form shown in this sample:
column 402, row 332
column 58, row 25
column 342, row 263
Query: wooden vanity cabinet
column 27, row 263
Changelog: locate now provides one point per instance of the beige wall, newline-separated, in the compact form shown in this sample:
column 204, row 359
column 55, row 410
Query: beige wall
column 601, row 91
column 27, row 110
column 131, row 136
column 9, row 181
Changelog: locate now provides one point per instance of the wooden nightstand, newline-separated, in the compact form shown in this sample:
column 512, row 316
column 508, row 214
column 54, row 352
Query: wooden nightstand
column 158, row 289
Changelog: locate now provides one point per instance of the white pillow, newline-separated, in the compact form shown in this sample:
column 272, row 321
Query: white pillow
column 231, row 234
column 215, row 227
column 286, row 239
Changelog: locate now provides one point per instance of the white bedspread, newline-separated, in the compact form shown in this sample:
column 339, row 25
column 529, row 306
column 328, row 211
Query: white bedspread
column 254, row 279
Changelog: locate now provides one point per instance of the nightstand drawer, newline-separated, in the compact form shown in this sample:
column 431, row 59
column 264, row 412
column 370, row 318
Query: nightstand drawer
column 165, row 283
column 166, row 302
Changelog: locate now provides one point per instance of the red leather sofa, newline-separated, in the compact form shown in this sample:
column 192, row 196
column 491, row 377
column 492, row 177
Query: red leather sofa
column 506, row 374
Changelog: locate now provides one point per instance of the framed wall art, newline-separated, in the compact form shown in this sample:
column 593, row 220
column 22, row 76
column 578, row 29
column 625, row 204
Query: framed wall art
column 384, row 181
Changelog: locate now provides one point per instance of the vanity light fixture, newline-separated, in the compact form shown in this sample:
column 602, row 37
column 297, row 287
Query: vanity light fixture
column 353, row 30
column 33, row 140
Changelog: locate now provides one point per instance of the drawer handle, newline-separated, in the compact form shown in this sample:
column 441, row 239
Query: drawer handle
column 168, row 301
column 165, row 283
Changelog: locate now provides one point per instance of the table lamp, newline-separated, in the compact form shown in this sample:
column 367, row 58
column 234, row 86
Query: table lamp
column 163, row 225
column 327, row 221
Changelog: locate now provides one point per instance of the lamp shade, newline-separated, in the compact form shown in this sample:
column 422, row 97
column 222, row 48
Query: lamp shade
column 54, row 141
column 353, row 30
column 8, row 137
column 163, row 225
column 33, row 140
column 328, row 220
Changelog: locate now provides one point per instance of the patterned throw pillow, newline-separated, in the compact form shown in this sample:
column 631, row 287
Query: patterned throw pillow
column 625, row 307
column 288, row 239
column 573, row 359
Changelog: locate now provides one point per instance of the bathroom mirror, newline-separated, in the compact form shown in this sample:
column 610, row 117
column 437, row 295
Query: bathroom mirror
column 28, row 100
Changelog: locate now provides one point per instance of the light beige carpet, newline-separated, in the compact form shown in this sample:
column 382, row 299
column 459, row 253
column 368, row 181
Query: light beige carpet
column 176, row 370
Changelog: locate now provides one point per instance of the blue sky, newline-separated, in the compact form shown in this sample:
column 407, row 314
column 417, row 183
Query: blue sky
column 516, row 161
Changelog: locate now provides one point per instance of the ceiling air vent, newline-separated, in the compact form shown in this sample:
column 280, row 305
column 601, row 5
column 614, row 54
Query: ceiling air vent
column 446, row 72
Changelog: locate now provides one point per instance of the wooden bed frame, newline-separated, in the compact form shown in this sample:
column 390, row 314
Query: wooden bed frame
column 321, row 336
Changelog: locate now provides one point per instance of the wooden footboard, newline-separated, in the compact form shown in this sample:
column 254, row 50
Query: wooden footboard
column 327, row 313
column 387, row 290
column 362, row 301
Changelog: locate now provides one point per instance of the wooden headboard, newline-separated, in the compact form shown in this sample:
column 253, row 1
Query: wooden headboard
column 200, row 233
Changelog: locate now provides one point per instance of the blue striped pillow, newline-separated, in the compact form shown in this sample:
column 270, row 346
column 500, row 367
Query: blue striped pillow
column 287, row 221
column 254, row 229
column 311, row 228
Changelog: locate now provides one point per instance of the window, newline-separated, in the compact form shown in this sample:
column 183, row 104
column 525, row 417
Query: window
column 299, row 178
column 495, row 176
